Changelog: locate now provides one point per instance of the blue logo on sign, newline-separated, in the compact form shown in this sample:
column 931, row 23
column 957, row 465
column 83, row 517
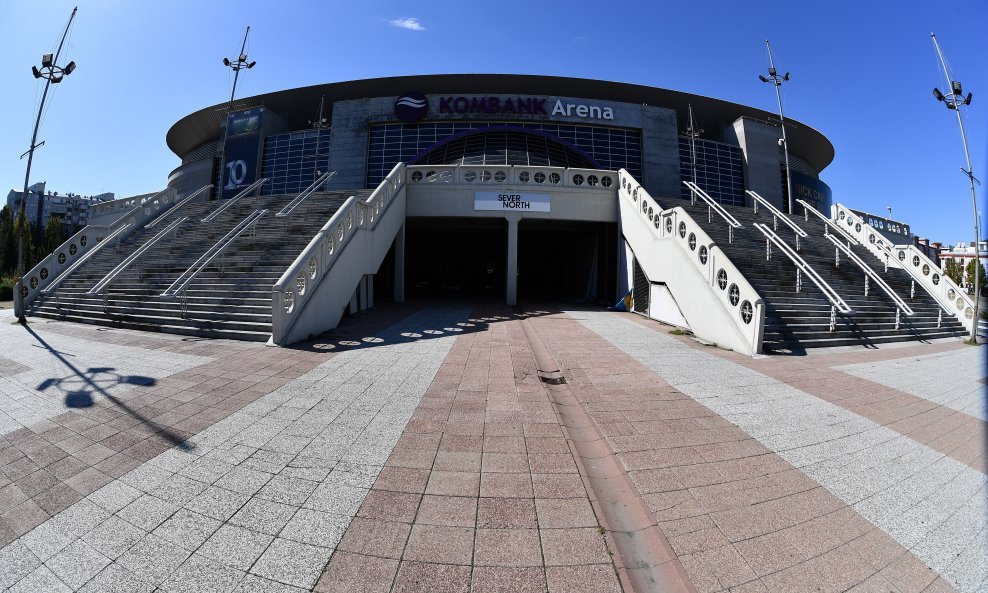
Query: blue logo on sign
column 411, row 107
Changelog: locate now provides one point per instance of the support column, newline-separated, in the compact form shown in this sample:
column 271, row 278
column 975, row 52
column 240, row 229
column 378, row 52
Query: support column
column 511, row 282
column 400, row 265
column 363, row 292
column 370, row 290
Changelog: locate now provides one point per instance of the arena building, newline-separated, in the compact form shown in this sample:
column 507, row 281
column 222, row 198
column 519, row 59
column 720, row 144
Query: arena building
column 515, row 188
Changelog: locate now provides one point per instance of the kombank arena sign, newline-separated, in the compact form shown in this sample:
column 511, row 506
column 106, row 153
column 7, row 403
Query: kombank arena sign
column 413, row 106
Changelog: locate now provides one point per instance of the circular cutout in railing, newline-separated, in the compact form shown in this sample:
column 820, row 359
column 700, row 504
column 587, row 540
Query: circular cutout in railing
column 349, row 220
column 524, row 177
column 554, row 178
column 702, row 254
column 722, row 278
column 330, row 246
column 951, row 294
column 300, row 284
column 936, row 279
column 43, row 273
column 871, row 238
column 926, row 269
column 692, row 241
column 915, row 260
column 339, row 230
column 417, row 176
column 73, row 249
column 902, row 255
column 668, row 224
column 960, row 304
column 734, row 294
column 682, row 229
column 485, row 176
column 430, row 176
column 61, row 258
column 24, row 291
column 34, row 282
column 83, row 240
column 840, row 215
column 857, row 227
column 656, row 223
column 592, row 180
column 634, row 195
column 289, row 301
column 606, row 181
column 650, row 211
column 746, row 312
column 313, row 268
column 578, row 179
column 470, row 176
column 499, row 177
column 539, row 177
column 969, row 313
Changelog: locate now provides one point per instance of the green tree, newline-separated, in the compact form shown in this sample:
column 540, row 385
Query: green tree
column 54, row 236
column 953, row 270
column 22, row 228
column 8, row 242
column 969, row 273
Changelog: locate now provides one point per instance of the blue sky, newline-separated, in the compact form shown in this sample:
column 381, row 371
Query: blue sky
column 862, row 73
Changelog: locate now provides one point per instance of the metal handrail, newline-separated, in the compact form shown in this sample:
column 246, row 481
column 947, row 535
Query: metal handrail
column 178, row 205
column 776, row 214
column 826, row 219
column 712, row 204
column 235, row 199
column 101, row 286
column 325, row 177
column 873, row 274
column 83, row 259
column 801, row 265
column 182, row 282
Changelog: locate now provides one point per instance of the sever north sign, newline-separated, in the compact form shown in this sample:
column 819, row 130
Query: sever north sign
column 510, row 202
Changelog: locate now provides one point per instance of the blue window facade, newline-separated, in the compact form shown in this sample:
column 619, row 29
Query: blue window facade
column 292, row 158
column 719, row 170
column 613, row 148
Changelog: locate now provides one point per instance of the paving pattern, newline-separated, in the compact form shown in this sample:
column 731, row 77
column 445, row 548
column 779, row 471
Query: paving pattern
column 425, row 448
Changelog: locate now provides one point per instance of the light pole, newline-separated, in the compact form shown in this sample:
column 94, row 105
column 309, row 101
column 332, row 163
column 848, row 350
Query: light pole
column 236, row 65
column 954, row 100
column 53, row 74
column 775, row 79
column 692, row 133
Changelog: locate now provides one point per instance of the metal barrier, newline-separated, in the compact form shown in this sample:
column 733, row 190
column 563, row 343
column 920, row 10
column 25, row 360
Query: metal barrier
column 247, row 190
column 872, row 274
column 836, row 302
column 325, row 177
column 102, row 287
column 713, row 206
column 56, row 282
column 828, row 224
column 776, row 215
column 174, row 208
column 179, row 286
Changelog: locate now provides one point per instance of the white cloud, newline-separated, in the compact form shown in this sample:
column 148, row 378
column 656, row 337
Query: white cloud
column 410, row 23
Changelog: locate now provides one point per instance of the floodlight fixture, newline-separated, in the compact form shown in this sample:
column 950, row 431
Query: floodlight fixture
column 46, row 61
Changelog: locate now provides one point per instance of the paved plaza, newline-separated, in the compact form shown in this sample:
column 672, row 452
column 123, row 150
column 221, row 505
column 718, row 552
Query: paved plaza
column 479, row 448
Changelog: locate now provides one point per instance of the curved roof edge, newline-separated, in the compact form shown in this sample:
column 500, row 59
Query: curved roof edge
column 298, row 105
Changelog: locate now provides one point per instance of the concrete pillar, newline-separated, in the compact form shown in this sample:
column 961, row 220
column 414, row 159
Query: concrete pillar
column 511, row 282
column 759, row 143
column 363, row 292
column 370, row 290
column 354, row 300
column 400, row 265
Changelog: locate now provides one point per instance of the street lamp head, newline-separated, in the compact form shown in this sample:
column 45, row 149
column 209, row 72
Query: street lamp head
column 762, row 78
column 46, row 61
column 938, row 94
column 57, row 78
column 786, row 77
column 243, row 57
column 251, row 65
column 35, row 71
column 955, row 85
column 226, row 62
column 967, row 100
column 69, row 68
column 771, row 71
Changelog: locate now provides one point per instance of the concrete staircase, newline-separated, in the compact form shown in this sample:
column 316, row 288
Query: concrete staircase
column 230, row 299
column 799, row 320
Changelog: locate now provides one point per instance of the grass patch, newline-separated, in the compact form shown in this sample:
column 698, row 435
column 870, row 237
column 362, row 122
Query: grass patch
column 677, row 332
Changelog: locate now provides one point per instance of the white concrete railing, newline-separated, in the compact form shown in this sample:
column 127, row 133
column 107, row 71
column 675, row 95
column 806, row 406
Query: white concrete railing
column 715, row 298
column 920, row 268
column 300, row 281
column 80, row 244
column 493, row 175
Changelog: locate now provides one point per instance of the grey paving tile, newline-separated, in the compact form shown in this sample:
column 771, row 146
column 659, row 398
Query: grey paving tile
column 256, row 584
column 218, row 503
column 292, row 563
column 77, row 563
column 116, row 579
column 244, row 480
column 187, row 529
column 235, row 546
column 113, row 537
column 263, row 515
column 41, row 579
column 316, row 528
column 147, row 512
column 115, row 496
column 287, row 490
column 199, row 574
column 153, row 559
column 17, row 561
column 340, row 499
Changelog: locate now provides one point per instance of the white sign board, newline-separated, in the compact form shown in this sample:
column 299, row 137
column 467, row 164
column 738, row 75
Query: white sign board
column 492, row 200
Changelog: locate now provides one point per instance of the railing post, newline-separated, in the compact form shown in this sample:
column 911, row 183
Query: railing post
column 775, row 223
column 833, row 318
column 797, row 242
column 837, row 257
column 768, row 249
column 866, row 285
column 897, row 313
column 730, row 234
column 939, row 316
column 106, row 303
column 912, row 290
